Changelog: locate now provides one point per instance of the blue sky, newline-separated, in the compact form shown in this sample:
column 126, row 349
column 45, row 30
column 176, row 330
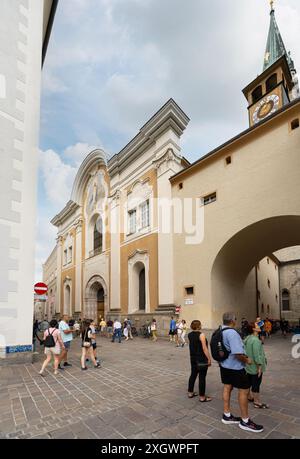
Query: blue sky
column 111, row 64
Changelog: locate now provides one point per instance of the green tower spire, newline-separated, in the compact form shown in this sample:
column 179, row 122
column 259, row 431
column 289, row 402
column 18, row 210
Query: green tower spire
column 275, row 46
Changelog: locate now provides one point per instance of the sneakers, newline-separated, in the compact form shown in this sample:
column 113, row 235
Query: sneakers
column 231, row 419
column 85, row 368
column 66, row 364
column 251, row 426
column 60, row 368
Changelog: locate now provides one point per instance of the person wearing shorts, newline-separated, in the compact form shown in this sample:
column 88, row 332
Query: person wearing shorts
column 234, row 375
column 53, row 351
column 173, row 331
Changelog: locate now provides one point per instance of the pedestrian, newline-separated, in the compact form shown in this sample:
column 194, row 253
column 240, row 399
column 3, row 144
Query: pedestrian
column 67, row 336
column 93, row 326
column 200, row 361
column 109, row 328
column 44, row 324
column 53, row 346
column 77, row 328
column 102, row 326
column 153, row 328
column 244, row 327
column 181, row 332
column 284, row 326
column 125, row 330
column 233, row 373
column 255, row 351
column 129, row 328
column 86, row 345
column 117, row 331
column 172, row 330
column 260, row 323
column 35, row 330
column 268, row 327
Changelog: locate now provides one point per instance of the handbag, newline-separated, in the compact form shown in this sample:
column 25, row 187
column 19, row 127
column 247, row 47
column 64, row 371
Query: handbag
column 86, row 344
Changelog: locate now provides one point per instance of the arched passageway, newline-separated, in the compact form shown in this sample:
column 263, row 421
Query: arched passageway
column 232, row 274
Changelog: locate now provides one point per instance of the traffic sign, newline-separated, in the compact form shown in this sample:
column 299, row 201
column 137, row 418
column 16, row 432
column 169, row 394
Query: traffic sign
column 40, row 288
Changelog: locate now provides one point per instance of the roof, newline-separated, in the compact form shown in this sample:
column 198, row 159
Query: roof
column 50, row 7
column 275, row 46
column 234, row 139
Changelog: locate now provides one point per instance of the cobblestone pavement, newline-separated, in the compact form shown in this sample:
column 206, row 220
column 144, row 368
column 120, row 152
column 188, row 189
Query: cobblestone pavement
column 140, row 392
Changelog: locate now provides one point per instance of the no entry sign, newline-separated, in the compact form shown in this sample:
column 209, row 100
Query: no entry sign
column 40, row 288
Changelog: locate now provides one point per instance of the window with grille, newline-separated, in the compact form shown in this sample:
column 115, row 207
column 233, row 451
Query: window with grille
column 285, row 300
column 209, row 198
column 145, row 214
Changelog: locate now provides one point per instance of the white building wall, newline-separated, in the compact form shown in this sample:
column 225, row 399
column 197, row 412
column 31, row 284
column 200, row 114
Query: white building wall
column 21, row 28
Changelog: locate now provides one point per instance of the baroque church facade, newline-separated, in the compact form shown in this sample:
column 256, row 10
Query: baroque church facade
column 112, row 257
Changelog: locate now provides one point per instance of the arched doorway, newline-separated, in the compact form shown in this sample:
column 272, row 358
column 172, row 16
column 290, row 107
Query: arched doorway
column 232, row 271
column 138, row 282
column 96, row 302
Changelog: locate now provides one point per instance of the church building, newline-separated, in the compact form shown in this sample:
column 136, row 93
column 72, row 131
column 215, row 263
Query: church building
column 113, row 258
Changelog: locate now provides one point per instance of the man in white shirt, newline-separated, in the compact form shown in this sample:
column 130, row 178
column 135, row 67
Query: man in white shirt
column 67, row 336
column 117, row 331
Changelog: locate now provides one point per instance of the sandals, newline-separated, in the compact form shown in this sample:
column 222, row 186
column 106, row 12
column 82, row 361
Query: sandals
column 250, row 400
column 262, row 406
column 192, row 395
column 207, row 399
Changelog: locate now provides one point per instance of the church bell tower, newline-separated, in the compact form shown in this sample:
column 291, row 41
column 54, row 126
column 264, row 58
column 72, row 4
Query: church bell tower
column 277, row 85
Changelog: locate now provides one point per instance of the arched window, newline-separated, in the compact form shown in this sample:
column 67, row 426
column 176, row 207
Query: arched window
column 271, row 82
column 285, row 300
column 257, row 94
column 98, row 236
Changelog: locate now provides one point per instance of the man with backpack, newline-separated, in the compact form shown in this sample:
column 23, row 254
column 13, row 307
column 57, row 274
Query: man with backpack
column 227, row 349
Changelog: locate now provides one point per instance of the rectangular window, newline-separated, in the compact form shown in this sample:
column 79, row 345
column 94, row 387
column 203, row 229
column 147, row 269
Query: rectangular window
column 145, row 214
column 132, row 221
column 209, row 198
column 295, row 124
column 70, row 254
column 189, row 290
column 65, row 257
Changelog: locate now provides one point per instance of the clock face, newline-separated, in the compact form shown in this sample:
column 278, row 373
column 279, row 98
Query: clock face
column 266, row 107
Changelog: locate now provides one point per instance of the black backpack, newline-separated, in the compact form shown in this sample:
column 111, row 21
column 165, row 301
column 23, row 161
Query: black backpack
column 217, row 347
column 49, row 341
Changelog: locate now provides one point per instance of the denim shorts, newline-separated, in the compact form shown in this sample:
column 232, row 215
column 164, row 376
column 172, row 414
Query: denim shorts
column 67, row 345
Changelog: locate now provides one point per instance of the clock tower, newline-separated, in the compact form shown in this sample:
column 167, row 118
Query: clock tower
column 277, row 85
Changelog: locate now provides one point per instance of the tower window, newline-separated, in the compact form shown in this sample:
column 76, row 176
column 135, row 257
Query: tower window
column 285, row 300
column 271, row 82
column 228, row 160
column 209, row 199
column 295, row 124
column 257, row 94
column 180, row 186
column 189, row 290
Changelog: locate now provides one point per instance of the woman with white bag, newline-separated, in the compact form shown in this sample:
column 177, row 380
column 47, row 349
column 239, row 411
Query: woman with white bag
column 86, row 346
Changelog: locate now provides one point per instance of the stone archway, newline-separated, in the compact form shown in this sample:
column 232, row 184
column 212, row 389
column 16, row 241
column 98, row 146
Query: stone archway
column 232, row 267
column 96, row 298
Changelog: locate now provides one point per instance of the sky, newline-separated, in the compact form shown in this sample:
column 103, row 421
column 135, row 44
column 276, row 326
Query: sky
column 111, row 64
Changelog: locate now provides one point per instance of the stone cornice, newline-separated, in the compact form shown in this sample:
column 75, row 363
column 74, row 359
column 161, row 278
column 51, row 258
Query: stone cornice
column 170, row 116
column 67, row 211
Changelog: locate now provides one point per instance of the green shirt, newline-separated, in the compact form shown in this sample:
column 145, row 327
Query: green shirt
column 255, row 351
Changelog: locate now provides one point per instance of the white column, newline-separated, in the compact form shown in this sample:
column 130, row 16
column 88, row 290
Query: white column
column 78, row 267
column 115, row 284
column 58, row 299
column 167, row 165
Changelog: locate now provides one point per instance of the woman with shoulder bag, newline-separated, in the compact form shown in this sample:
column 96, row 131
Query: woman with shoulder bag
column 200, row 361
column 86, row 346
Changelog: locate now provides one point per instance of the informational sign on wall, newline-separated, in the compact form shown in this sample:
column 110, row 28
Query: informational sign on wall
column 188, row 301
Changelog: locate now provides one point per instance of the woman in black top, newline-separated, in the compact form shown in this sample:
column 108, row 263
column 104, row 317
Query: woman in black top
column 200, row 361
column 86, row 345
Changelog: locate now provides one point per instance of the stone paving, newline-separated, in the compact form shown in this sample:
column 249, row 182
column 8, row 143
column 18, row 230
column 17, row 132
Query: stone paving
column 140, row 392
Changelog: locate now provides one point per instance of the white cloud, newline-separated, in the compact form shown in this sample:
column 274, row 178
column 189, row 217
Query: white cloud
column 57, row 178
column 75, row 154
